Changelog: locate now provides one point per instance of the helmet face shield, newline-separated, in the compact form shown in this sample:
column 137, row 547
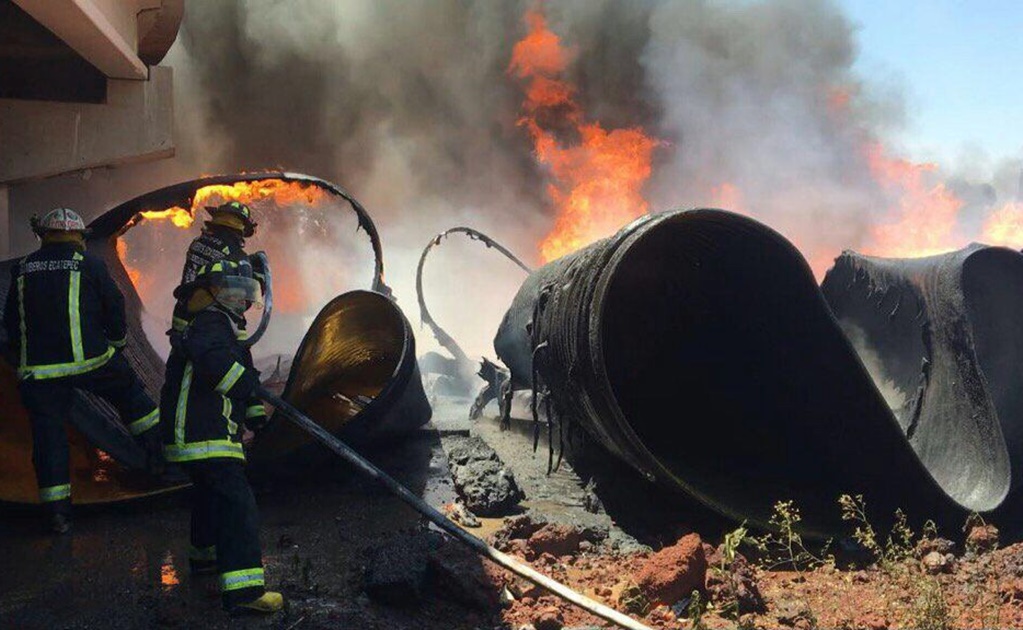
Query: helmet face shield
column 237, row 293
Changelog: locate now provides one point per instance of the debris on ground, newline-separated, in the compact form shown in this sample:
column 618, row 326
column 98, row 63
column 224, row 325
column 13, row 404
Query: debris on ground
column 982, row 538
column 460, row 514
column 734, row 587
column 674, row 572
column 481, row 479
column 936, row 562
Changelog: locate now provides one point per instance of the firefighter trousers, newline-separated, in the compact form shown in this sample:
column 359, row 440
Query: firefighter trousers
column 225, row 527
column 49, row 403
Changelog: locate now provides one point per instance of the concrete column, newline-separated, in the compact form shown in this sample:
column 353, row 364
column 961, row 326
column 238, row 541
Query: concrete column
column 5, row 225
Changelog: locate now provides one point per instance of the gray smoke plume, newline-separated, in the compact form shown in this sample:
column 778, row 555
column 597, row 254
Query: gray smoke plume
column 410, row 106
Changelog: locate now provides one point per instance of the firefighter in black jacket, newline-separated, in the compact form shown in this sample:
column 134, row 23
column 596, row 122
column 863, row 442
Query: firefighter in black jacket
column 65, row 318
column 210, row 378
column 223, row 238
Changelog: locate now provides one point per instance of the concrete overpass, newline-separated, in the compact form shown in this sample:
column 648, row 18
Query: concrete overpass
column 81, row 89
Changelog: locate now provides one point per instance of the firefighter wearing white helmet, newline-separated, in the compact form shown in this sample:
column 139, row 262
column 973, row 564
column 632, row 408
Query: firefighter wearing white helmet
column 64, row 317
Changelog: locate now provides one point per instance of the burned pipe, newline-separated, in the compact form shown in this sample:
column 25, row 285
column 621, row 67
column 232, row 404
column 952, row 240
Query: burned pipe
column 697, row 347
column 443, row 338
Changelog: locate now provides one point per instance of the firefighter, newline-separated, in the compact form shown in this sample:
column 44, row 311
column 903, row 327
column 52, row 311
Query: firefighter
column 210, row 380
column 223, row 238
column 65, row 318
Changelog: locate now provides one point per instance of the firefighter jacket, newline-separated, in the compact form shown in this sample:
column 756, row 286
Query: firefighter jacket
column 210, row 380
column 64, row 314
column 215, row 243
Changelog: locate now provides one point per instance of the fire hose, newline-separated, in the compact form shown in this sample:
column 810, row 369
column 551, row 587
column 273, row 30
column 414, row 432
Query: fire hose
column 479, row 546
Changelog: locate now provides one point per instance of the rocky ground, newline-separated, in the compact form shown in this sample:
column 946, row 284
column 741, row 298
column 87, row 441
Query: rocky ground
column 348, row 555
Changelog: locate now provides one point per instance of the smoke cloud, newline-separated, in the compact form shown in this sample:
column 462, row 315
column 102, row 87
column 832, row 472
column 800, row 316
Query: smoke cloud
column 410, row 106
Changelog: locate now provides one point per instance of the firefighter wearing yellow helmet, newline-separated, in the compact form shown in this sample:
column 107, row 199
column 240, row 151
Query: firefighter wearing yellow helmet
column 209, row 383
column 222, row 238
column 65, row 319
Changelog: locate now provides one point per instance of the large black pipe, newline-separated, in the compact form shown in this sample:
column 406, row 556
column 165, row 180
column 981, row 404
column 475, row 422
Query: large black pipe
column 697, row 347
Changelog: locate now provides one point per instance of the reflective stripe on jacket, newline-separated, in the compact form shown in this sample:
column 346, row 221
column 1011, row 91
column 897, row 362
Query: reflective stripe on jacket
column 64, row 313
column 210, row 381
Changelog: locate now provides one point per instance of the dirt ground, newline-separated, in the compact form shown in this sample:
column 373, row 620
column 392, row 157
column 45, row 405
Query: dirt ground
column 126, row 567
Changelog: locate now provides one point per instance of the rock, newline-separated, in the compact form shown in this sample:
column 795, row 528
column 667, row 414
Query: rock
column 1011, row 591
column 516, row 528
column 633, row 601
column 461, row 576
column 935, row 563
column 871, row 621
column 927, row 545
column 549, row 619
column 794, row 613
column 483, row 482
column 736, row 586
column 557, row 540
column 674, row 572
column 460, row 514
column 397, row 570
column 982, row 538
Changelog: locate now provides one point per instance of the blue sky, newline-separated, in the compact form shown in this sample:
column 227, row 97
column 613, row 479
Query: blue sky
column 961, row 67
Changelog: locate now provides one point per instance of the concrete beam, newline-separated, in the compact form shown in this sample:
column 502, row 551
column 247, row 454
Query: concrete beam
column 104, row 32
column 41, row 139
column 5, row 225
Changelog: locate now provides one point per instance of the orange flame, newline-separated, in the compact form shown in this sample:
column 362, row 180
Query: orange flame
column 179, row 216
column 927, row 215
column 595, row 181
column 1004, row 226
column 290, row 296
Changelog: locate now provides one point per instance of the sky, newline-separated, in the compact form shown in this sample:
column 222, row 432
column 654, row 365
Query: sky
column 960, row 67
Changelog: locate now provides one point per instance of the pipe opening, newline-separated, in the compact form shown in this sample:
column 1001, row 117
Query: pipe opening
column 352, row 355
column 727, row 365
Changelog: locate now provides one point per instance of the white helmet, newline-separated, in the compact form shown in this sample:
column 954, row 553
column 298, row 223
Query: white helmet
column 59, row 220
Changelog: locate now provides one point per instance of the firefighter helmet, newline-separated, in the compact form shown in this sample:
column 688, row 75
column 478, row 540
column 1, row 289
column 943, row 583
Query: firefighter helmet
column 235, row 209
column 59, row 220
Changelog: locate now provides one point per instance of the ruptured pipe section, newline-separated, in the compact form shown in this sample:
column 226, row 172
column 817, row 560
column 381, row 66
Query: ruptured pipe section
column 424, row 508
column 697, row 347
column 443, row 338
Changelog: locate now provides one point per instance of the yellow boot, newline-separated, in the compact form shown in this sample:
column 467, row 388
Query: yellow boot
column 268, row 602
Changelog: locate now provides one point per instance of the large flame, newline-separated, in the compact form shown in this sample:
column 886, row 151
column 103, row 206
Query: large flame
column 925, row 213
column 596, row 176
column 1004, row 226
column 289, row 293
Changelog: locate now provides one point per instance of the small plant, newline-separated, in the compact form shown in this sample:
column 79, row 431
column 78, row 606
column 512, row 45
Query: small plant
column 854, row 510
column 899, row 544
column 931, row 611
column 900, row 541
column 784, row 547
column 730, row 545
column 728, row 605
column 695, row 611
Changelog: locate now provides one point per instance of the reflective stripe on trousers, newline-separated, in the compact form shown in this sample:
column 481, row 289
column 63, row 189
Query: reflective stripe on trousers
column 55, row 493
column 246, row 578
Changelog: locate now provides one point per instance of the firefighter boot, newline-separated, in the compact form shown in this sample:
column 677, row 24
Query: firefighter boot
column 268, row 602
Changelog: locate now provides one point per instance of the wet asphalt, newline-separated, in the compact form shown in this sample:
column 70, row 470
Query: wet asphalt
column 126, row 566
